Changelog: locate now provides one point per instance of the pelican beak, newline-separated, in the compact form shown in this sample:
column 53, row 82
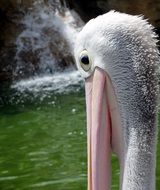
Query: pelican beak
column 98, row 130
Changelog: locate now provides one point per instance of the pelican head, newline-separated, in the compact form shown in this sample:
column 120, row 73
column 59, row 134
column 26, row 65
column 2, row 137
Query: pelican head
column 116, row 54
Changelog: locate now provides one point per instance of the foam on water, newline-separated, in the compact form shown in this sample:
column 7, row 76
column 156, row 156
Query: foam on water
column 59, row 83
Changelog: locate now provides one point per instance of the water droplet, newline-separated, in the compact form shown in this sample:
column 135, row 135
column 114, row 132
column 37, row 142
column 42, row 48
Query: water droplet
column 73, row 110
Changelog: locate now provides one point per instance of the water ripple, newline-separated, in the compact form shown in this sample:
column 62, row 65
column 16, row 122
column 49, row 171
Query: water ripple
column 52, row 182
column 6, row 178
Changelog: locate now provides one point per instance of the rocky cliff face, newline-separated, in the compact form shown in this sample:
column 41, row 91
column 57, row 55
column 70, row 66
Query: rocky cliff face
column 9, row 29
column 89, row 9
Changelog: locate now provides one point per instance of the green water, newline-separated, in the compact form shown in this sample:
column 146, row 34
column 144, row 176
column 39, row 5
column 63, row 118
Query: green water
column 43, row 146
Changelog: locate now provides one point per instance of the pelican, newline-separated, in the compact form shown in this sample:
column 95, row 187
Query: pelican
column 116, row 54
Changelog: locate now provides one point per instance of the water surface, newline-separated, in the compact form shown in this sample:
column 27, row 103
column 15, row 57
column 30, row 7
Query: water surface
column 43, row 144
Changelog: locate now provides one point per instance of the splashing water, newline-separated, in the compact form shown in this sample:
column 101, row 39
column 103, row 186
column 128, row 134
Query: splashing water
column 45, row 46
column 46, row 43
column 58, row 83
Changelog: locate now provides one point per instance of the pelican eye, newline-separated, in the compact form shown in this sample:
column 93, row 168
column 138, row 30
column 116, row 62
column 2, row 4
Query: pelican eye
column 85, row 61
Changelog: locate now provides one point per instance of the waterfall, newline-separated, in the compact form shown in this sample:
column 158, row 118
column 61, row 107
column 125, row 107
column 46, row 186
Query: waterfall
column 44, row 54
column 46, row 43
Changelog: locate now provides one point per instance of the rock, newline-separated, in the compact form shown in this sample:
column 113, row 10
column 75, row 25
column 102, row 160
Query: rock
column 86, row 9
column 8, row 32
column 89, row 9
